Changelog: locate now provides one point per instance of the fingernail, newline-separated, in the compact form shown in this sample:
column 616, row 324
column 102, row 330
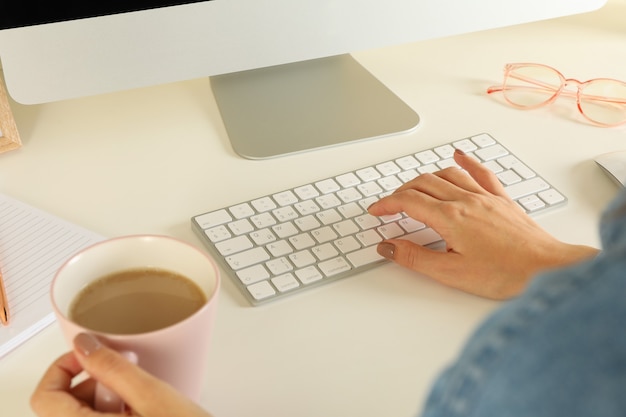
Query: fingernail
column 459, row 152
column 87, row 343
column 386, row 250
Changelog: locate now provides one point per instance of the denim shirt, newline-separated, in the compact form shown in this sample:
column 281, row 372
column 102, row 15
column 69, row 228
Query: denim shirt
column 559, row 350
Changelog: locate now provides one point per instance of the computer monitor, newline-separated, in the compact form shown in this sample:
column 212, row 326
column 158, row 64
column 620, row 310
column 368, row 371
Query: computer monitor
column 280, row 69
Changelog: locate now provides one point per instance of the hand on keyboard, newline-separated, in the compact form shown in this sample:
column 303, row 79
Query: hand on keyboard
column 493, row 247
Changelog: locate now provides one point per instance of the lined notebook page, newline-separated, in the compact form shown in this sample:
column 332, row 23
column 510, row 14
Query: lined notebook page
column 33, row 245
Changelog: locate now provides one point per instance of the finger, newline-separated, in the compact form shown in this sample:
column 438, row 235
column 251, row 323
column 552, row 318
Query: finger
column 85, row 391
column 130, row 381
column 440, row 185
column 461, row 180
column 51, row 397
column 410, row 201
column 483, row 176
column 418, row 258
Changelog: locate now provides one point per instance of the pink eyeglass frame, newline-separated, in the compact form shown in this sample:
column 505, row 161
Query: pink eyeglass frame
column 580, row 85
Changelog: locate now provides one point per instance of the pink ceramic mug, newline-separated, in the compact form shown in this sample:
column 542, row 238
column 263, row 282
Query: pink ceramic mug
column 176, row 354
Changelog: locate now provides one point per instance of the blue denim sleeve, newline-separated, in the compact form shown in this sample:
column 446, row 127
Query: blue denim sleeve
column 557, row 350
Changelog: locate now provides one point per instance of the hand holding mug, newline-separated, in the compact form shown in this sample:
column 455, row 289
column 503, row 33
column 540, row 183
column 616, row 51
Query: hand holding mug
column 145, row 395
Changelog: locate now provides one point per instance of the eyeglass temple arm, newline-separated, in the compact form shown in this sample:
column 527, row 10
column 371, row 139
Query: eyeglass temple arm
column 544, row 87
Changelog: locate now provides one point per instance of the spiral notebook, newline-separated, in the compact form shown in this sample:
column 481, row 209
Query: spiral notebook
column 33, row 245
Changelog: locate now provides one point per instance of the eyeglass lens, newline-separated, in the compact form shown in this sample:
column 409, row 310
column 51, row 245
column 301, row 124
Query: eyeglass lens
column 604, row 101
column 531, row 86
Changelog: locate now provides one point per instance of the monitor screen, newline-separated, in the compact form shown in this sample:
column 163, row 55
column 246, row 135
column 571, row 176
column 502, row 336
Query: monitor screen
column 31, row 12
column 77, row 48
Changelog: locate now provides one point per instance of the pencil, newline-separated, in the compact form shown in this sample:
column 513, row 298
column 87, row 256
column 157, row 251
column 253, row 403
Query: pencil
column 4, row 304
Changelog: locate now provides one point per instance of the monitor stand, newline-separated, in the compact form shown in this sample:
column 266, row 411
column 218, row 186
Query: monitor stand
column 307, row 105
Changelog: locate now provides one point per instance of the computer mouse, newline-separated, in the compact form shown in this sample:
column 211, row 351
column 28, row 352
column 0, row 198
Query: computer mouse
column 614, row 165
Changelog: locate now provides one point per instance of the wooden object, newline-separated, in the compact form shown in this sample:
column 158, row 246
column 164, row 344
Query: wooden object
column 9, row 136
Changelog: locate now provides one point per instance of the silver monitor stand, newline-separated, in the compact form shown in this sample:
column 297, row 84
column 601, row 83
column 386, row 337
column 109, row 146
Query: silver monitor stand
column 307, row 105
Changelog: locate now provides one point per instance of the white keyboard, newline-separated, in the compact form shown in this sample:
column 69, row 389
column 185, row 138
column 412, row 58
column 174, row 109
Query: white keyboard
column 287, row 242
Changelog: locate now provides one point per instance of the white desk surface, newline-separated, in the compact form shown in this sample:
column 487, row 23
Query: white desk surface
column 145, row 161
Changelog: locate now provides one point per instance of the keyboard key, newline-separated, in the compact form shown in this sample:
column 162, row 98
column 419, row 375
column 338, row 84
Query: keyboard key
column 423, row 237
column 466, row 145
column 552, row 196
column 447, row 163
column 247, row 258
column 253, row 274
column 483, row 140
column 213, row 219
column 364, row 257
column 285, row 198
column 368, row 174
column 263, row 236
column 217, row 234
column 511, row 162
column 324, row 234
column 329, row 216
column 367, row 221
column 445, row 151
column 302, row 241
column 279, row 266
column 263, row 204
column 261, row 290
column 327, row 186
column 334, row 266
column 239, row 227
column 285, row 213
column 306, row 192
column 302, row 258
column 279, row 248
column 309, row 275
column 263, row 220
column 427, row 157
column 407, row 162
column 284, row 230
column 388, row 168
column 389, row 183
column 391, row 230
column 533, row 185
column 349, row 195
column 348, row 180
column 234, row 245
column 531, row 203
column 491, row 152
column 347, row 244
column 325, row 251
column 307, row 223
column 509, row 177
column 285, row 282
column 328, row 201
column 241, row 211
column 346, row 227
column 350, row 210
column 368, row 237
column 369, row 189
column 430, row 168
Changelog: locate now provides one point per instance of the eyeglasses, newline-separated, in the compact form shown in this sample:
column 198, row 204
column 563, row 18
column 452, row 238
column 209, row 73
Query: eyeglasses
column 602, row 101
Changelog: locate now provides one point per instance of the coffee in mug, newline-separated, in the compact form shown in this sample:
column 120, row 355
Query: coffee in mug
column 136, row 301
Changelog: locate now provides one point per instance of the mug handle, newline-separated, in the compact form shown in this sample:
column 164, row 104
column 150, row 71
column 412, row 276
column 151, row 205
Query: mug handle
column 107, row 400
